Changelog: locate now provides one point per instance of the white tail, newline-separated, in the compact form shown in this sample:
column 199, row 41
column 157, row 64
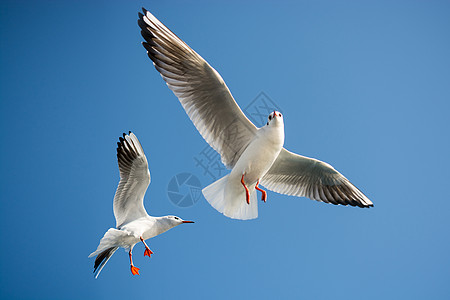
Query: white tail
column 229, row 199
column 110, row 239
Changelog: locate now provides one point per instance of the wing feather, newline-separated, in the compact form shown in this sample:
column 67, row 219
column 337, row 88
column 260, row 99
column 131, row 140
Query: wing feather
column 297, row 175
column 134, row 180
column 200, row 90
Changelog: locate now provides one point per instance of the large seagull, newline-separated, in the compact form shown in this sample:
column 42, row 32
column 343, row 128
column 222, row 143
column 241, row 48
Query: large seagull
column 255, row 155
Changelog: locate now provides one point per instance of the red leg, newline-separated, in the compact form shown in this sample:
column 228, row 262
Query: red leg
column 147, row 251
column 264, row 193
column 247, row 194
column 134, row 270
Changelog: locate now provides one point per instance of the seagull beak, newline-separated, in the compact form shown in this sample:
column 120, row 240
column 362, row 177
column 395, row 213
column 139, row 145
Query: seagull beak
column 188, row 221
column 274, row 114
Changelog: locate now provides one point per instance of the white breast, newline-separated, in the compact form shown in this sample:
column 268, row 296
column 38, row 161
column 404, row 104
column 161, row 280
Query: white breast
column 260, row 154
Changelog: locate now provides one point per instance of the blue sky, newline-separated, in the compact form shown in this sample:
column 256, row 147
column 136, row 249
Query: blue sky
column 364, row 86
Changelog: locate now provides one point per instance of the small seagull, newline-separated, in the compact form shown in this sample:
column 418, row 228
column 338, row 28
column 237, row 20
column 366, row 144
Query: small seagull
column 254, row 155
column 133, row 224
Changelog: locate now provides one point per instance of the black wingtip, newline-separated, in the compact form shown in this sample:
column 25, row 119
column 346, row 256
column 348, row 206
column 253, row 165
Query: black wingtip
column 129, row 132
column 102, row 258
column 144, row 10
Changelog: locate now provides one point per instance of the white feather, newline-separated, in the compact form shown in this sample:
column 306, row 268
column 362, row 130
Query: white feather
column 229, row 199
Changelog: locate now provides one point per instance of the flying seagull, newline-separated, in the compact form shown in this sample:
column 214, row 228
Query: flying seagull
column 133, row 224
column 255, row 155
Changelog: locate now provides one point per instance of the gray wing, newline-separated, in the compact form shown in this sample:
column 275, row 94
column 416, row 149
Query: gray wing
column 297, row 175
column 200, row 89
column 134, row 180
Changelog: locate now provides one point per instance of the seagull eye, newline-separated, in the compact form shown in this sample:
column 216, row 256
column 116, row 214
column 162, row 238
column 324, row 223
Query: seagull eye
column 270, row 117
column 176, row 218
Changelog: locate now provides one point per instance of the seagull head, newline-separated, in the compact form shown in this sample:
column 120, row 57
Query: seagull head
column 275, row 118
column 175, row 221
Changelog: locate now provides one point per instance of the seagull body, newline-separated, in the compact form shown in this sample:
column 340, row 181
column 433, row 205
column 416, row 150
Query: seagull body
column 255, row 155
column 226, row 195
column 133, row 224
column 261, row 152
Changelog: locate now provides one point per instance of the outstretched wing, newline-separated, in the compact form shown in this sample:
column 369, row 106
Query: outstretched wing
column 297, row 175
column 200, row 89
column 134, row 180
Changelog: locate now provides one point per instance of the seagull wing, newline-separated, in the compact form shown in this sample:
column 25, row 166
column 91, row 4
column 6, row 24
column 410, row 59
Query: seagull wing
column 200, row 89
column 134, row 180
column 297, row 175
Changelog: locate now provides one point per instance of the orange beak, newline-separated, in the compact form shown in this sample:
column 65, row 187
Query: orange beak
column 274, row 114
column 188, row 221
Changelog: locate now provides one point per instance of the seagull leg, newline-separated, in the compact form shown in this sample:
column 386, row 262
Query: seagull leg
column 247, row 194
column 147, row 251
column 134, row 270
column 264, row 193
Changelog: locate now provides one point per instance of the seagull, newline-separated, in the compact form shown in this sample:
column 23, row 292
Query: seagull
column 133, row 224
column 255, row 155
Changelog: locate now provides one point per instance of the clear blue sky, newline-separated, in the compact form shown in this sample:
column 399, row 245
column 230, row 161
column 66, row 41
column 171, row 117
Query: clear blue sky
column 364, row 86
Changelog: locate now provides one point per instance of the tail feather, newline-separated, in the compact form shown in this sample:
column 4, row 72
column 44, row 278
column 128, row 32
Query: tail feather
column 215, row 193
column 102, row 259
column 229, row 199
